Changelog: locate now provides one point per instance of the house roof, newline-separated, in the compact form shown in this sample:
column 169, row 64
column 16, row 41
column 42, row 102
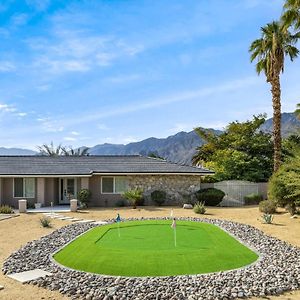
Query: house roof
column 89, row 165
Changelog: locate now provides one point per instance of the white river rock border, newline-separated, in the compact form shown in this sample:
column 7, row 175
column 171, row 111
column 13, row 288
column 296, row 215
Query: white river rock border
column 276, row 271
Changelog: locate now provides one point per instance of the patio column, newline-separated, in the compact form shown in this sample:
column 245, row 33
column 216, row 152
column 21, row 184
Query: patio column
column 41, row 190
column 85, row 183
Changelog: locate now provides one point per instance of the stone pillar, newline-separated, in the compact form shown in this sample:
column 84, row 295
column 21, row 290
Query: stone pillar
column 85, row 183
column 73, row 205
column 41, row 191
column 22, row 206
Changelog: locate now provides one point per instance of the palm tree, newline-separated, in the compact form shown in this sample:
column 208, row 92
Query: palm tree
column 291, row 14
column 270, row 50
column 50, row 150
column 83, row 151
column 297, row 111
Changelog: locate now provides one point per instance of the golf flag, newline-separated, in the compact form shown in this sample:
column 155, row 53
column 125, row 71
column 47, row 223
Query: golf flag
column 118, row 219
column 173, row 224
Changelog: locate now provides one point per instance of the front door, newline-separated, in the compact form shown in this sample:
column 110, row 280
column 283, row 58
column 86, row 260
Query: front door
column 67, row 190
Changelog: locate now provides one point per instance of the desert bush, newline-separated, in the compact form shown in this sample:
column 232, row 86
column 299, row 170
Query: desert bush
column 6, row 209
column 45, row 222
column 120, row 203
column 253, row 199
column 267, row 218
column 267, row 206
column 291, row 208
column 199, row 208
column 159, row 197
column 134, row 196
column 211, row 196
column 84, row 196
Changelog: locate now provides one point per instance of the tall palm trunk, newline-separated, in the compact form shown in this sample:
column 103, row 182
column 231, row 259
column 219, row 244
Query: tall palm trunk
column 276, row 94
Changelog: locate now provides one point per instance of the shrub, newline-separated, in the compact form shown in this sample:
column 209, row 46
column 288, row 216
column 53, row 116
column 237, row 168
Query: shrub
column 253, row 199
column 199, row 208
column 120, row 203
column 211, row 196
column 84, row 196
column 45, row 222
column 134, row 196
column 267, row 218
column 6, row 209
column 284, row 185
column 159, row 197
column 291, row 208
column 267, row 206
column 30, row 204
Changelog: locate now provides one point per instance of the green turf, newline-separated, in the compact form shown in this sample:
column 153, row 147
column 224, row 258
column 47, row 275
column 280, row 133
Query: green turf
column 146, row 248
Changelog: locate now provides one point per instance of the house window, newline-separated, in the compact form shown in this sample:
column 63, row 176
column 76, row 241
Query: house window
column 24, row 187
column 113, row 185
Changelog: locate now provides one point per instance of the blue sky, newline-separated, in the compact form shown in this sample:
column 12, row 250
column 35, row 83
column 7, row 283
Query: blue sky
column 117, row 71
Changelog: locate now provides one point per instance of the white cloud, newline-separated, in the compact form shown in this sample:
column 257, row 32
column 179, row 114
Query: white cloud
column 234, row 85
column 78, row 51
column 50, row 125
column 69, row 138
column 19, row 19
column 8, row 108
column 22, row 114
column 102, row 127
column 74, row 133
column 7, row 66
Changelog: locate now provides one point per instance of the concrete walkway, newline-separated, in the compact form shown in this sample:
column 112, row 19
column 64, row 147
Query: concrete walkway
column 49, row 209
column 29, row 275
column 71, row 219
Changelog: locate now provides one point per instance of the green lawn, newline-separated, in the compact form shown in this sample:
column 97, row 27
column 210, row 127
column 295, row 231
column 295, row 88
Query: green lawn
column 146, row 248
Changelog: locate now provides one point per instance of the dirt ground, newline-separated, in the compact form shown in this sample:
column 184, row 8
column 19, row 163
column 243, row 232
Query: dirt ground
column 17, row 231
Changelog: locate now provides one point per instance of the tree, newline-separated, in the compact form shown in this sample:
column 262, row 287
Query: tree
column 69, row 151
column 241, row 152
column 50, row 150
column 290, row 146
column 270, row 50
column 291, row 14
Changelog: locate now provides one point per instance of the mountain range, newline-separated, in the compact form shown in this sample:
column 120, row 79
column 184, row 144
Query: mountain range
column 177, row 148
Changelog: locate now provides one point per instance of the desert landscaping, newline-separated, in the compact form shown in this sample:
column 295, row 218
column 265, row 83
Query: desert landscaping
column 17, row 231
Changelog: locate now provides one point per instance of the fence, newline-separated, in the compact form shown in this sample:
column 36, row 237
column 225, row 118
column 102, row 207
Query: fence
column 236, row 190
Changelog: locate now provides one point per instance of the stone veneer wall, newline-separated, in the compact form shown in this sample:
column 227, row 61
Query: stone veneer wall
column 176, row 186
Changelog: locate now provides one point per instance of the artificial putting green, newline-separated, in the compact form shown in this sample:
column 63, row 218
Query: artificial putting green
column 146, row 248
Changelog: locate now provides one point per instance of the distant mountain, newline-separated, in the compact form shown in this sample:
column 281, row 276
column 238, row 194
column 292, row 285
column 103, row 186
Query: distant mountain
column 176, row 148
column 289, row 124
column 16, row 151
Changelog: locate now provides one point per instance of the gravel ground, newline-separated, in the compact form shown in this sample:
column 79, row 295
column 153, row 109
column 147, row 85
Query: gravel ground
column 277, row 270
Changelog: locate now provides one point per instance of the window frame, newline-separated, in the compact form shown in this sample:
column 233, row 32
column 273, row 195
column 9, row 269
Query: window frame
column 114, row 185
column 24, row 188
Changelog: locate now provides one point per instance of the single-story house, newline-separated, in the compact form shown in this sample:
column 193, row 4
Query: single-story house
column 45, row 179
